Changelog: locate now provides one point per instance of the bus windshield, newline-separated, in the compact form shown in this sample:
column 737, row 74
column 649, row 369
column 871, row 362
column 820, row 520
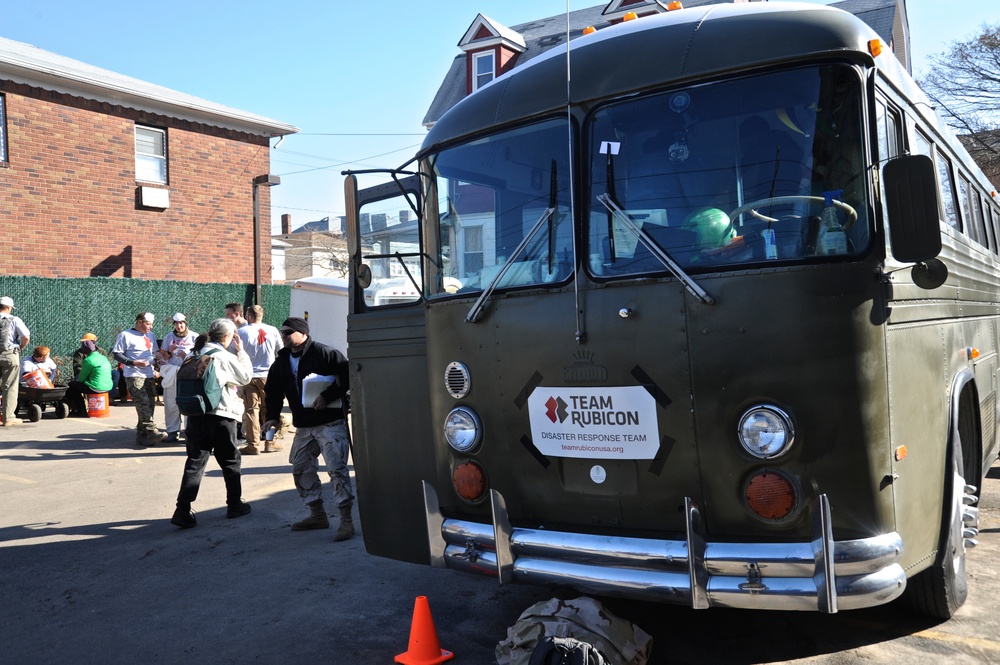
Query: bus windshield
column 767, row 168
column 502, row 210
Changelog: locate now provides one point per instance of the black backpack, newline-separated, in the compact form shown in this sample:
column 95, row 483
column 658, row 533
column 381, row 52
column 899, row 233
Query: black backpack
column 566, row 651
column 198, row 389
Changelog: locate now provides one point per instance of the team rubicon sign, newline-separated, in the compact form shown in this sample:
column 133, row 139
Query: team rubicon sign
column 594, row 423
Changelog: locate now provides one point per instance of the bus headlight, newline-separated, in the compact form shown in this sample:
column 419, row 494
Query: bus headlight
column 766, row 432
column 463, row 430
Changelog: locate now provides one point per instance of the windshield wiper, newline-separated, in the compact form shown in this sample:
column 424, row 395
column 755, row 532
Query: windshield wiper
column 656, row 250
column 477, row 309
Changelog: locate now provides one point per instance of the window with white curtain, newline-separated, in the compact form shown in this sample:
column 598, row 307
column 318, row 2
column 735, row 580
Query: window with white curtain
column 150, row 154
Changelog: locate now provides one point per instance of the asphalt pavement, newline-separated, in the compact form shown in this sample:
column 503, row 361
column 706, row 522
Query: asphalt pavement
column 91, row 570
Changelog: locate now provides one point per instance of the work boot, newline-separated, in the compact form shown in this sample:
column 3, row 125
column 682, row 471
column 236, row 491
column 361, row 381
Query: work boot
column 150, row 438
column 238, row 510
column 184, row 518
column 172, row 437
column 316, row 520
column 249, row 449
column 272, row 447
column 346, row 528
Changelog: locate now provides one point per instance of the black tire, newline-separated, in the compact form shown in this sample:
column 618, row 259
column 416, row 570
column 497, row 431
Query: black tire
column 941, row 589
column 34, row 412
column 62, row 410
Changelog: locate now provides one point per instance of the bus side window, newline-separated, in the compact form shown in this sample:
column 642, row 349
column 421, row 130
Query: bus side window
column 888, row 124
column 968, row 223
column 947, row 190
column 982, row 229
column 992, row 219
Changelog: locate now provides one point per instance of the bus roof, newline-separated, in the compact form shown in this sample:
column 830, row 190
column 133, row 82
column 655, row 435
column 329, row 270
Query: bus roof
column 322, row 284
column 673, row 47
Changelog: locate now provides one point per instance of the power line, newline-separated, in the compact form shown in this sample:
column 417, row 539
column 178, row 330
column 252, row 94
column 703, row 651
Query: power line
column 351, row 161
column 357, row 134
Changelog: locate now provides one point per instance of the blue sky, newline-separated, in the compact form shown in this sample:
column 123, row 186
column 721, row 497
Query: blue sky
column 355, row 77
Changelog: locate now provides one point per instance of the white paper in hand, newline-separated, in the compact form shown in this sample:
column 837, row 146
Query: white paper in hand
column 313, row 385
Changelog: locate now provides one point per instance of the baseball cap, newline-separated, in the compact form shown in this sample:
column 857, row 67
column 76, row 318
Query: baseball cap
column 7, row 301
column 179, row 317
column 89, row 337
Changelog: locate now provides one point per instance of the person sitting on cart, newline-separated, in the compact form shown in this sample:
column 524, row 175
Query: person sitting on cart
column 40, row 360
column 94, row 377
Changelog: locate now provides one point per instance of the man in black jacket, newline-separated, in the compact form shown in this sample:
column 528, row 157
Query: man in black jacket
column 320, row 425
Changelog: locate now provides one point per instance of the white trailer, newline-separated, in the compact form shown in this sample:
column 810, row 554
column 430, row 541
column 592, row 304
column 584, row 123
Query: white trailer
column 322, row 301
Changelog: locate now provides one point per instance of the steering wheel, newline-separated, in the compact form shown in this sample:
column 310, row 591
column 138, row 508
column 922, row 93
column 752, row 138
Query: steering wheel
column 852, row 214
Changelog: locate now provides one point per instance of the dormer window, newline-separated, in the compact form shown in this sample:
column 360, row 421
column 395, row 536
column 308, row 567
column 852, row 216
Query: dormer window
column 490, row 50
column 484, row 69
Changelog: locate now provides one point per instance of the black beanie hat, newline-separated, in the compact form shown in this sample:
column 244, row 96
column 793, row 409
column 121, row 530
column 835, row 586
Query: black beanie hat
column 297, row 324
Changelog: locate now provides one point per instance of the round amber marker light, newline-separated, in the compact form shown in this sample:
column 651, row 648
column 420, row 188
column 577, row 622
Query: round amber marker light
column 770, row 495
column 469, row 480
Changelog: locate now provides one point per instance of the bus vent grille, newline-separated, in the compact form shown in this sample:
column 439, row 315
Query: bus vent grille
column 457, row 380
column 989, row 407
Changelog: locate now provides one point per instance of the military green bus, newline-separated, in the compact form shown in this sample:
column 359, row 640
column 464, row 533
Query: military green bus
column 701, row 309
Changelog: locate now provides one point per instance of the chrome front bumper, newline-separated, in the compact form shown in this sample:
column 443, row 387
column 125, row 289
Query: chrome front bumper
column 822, row 575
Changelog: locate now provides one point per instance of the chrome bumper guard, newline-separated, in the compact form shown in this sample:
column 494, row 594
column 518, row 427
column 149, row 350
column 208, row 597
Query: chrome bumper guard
column 822, row 575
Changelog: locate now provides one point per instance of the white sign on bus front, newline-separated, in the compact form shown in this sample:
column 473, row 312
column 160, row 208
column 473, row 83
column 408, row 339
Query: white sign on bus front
column 594, row 423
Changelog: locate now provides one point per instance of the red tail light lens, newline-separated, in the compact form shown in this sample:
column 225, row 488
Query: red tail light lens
column 771, row 495
column 469, row 480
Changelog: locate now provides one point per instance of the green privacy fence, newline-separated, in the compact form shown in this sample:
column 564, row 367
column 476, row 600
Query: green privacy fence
column 59, row 311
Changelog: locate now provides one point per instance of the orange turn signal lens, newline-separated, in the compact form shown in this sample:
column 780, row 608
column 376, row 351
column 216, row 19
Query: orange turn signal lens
column 771, row 495
column 875, row 47
column 631, row 16
column 674, row 5
column 469, row 480
column 900, row 453
column 589, row 30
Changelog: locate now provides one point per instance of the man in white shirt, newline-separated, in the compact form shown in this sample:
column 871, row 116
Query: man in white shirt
column 136, row 350
column 176, row 346
column 15, row 336
column 261, row 342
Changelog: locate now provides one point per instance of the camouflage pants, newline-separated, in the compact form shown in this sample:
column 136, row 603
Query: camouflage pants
column 10, row 374
column 143, row 391
column 334, row 442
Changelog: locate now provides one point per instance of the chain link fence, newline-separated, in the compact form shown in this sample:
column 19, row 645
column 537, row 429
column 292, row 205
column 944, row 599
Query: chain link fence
column 59, row 311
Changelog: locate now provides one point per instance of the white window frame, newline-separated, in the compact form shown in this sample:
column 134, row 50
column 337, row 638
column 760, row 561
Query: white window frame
column 476, row 74
column 3, row 129
column 150, row 159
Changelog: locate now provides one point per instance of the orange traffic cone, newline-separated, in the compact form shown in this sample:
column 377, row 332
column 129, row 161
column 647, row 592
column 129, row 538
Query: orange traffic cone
column 424, row 648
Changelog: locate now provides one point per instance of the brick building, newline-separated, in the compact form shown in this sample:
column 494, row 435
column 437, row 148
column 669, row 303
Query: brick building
column 102, row 175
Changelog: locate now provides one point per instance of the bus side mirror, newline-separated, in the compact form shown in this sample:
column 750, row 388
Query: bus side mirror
column 911, row 198
column 351, row 203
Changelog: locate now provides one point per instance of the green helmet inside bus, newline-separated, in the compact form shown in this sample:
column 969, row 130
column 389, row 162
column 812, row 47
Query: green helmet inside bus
column 711, row 227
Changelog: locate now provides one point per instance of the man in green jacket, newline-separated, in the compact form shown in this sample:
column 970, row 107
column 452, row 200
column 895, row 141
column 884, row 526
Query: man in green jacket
column 94, row 377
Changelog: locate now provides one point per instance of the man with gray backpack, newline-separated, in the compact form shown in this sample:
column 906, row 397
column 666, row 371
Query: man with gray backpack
column 14, row 337
column 206, row 394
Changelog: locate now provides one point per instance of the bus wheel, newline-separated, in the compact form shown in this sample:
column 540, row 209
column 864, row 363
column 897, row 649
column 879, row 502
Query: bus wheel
column 941, row 589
